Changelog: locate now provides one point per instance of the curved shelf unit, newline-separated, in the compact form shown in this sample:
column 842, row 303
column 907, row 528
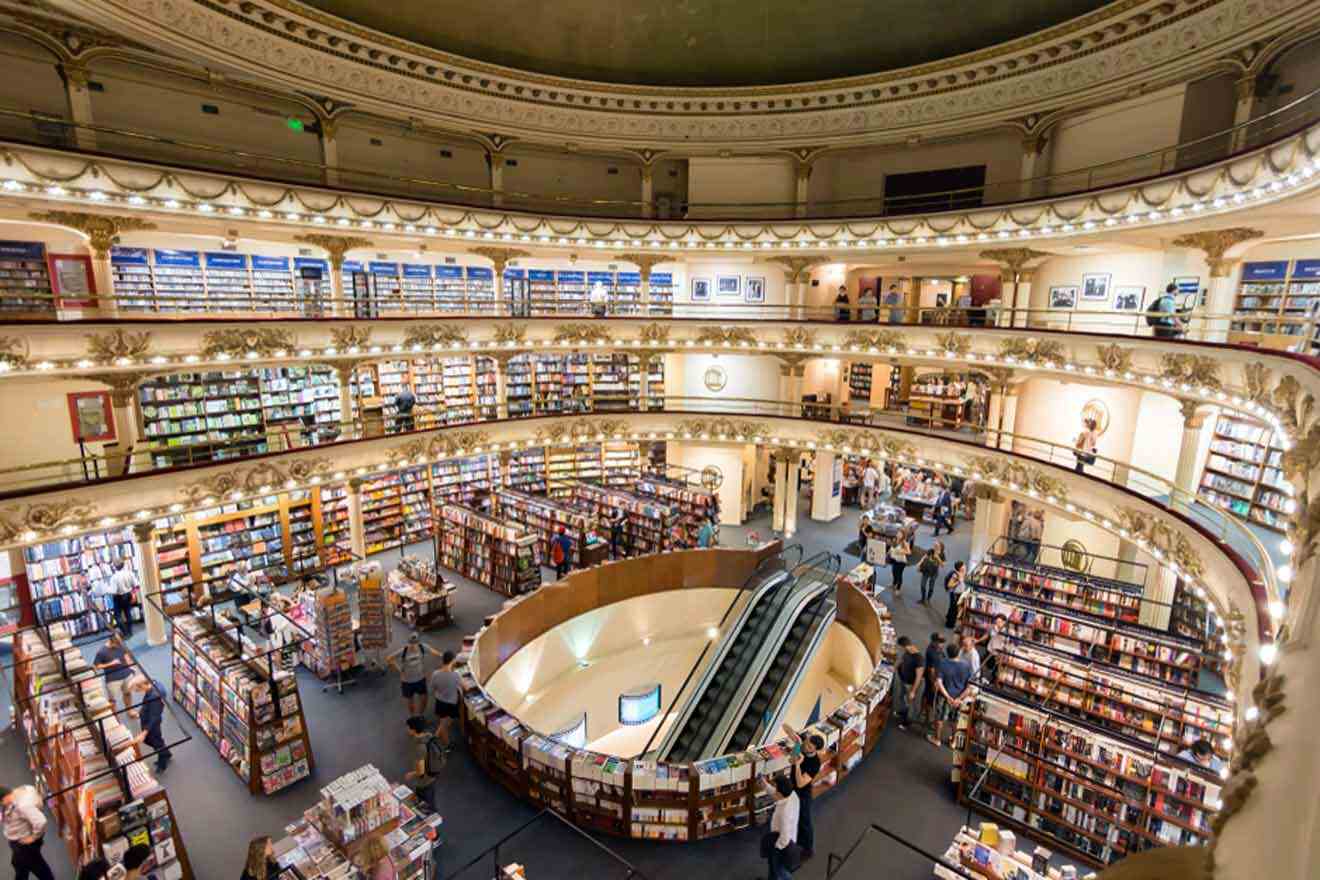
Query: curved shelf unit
column 636, row 797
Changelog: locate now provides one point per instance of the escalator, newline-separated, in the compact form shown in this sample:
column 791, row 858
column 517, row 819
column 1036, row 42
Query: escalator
column 746, row 655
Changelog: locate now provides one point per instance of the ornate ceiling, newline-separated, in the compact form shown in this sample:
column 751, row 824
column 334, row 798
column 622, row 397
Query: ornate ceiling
column 705, row 42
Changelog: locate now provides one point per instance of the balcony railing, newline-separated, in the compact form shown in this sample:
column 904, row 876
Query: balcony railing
column 1218, row 523
column 187, row 153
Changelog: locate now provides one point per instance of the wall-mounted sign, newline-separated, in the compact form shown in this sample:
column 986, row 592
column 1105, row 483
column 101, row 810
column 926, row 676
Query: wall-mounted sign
column 715, row 378
column 712, row 477
column 1269, row 270
column 639, row 705
column 91, row 417
column 71, row 280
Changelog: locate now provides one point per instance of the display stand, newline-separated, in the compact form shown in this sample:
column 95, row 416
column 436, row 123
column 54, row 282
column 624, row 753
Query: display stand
column 993, row 852
column 95, row 781
column 419, row 596
column 373, row 631
column 334, row 636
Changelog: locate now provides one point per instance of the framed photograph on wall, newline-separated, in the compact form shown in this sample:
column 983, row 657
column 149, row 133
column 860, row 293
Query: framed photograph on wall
column 91, row 417
column 755, row 292
column 1095, row 286
column 1063, row 298
column 71, row 280
column 941, row 300
column 700, row 290
column 1129, row 298
column 728, row 285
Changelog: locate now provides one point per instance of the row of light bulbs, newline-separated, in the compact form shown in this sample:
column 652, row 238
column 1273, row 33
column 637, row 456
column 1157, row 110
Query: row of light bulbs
column 1237, row 199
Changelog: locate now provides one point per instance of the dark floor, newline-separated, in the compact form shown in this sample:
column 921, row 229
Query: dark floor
column 903, row 786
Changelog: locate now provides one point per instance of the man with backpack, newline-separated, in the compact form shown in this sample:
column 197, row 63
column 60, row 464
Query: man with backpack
column 561, row 552
column 428, row 759
column 1162, row 316
column 410, row 662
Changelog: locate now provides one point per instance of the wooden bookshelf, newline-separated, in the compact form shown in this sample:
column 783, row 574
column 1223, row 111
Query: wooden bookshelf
column 1244, row 473
column 251, row 715
column 1090, row 794
column 1276, row 305
column 859, row 383
column 68, row 578
column 544, row 516
column 648, row 522
column 695, row 504
column 497, row 554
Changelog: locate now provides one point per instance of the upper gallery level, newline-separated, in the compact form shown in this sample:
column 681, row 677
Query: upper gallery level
column 1045, row 103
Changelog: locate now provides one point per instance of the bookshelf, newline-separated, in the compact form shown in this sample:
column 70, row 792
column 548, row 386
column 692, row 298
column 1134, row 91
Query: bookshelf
column 228, row 284
column 415, row 502
column 272, row 285
column 68, row 579
column 859, row 383
column 497, row 554
column 525, row 470
column 571, row 287
column 130, row 274
column 335, row 650
column 1094, row 796
column 519, row 377
column 1144, row 652
column 466, row 481
column 621, row 463
column 481, row 288
column 662, row 293
column 581, row 462
column 1270, row 292
column 544, row 516
column 1244, row 473
column 252, row 716
column 179, row 281
column 382, row 513
column 73, row 743
column 336, row 530
column 1117, row 601
column 613, row 388
column 450, row 288
column 628, row 293
column 417, row 287
column 648, row 522
column 694, row 503
column 25, row 278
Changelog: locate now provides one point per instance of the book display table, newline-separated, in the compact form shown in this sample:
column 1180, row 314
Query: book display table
column 418, row 596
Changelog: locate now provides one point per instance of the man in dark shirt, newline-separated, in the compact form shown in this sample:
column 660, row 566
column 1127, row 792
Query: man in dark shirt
column 806, row 767
column 910, row 664
column 112, row 659
column 404, row 402
column 934, row 652
column 150, row 714
column 951, row 684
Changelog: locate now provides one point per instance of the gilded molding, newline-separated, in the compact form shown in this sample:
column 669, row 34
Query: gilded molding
column 123, row 385
column 1016, row 474
column 510, row 334
column 867, row 441
column 799, row 337
column 888, row 339
column 797, row 270
column 335, row 245
column 567, row 433
column 1193, row 369
column 645, row 263
column 1033, row 351
column 955, row 343
column 1258, row 382
column 730, row 336
column 118, row 345
column 46, row 517
column 654, row 335
column 723, row 428
column 500, row 257
column 581, row 334
column 14, row 352
column 265, row 477
column 1305, row 531
column 430, row 335
column 102, row 230
column 1115, row 357
column 455, row 442
column 1162, row 537
column 351, row 337
column 1013, row 258
column 1214, row 243
column 238, row 341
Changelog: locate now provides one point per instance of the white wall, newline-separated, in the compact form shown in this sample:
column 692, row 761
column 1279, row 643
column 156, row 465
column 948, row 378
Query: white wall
column 1158, row 436
column 729, row 459
column 1148, row 269
column 1117, row 131
column 1050, row 410
column 732, row 308
column 716, row 186
column 841, row 662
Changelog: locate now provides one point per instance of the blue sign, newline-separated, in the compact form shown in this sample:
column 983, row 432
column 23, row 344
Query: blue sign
column 226, row 261
column 481, row 272
column 352, row 266
column 1306, row 269
column 572, row 277
column 414, row 270
column 310, row 263
column 633, row 278
column 449, row 271
column 606, row 278
column 270, row 264
column 34, row 250
column 189, row 259
column 540, row 275
column 1272, row 270
column 384, row 268
column 666, row 278
column 128, row 256
column 515, row 274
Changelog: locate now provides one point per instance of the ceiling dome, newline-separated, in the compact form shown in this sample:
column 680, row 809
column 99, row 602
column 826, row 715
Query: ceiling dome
column 703, row 42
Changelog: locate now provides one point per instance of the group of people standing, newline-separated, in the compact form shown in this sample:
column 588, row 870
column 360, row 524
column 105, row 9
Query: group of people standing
column 932, row 685
column 869, row 306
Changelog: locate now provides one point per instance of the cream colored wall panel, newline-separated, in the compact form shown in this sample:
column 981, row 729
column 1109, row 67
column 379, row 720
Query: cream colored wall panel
column 728, row 459
column 717, row 186
column 1117, row 131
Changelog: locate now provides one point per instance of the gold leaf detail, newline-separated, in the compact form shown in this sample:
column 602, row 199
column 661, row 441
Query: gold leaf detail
column 238, row 341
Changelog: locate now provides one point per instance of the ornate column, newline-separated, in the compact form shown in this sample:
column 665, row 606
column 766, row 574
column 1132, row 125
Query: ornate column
column 495, row 161
column 499, row 258
column 1008, row 417
column 1223, row 284
column 144, row 538
column 802, row 181
column 779, row 461
column 336, row 246
column 1159, row 594
column 357, row 535
column 1001, row 388
column 329, row 151
column 79, row 100
column 501, row 359
column 102, row 232
column 797, row 273
column 825, row 505
column 1245, row 95
column 792, row 489
column 1034, row 162
column 1013, row 262
column 792, row 374
column 1185, row 477
column 645, row 263
column 987, row 523
column 128, row 428
column 648, row 191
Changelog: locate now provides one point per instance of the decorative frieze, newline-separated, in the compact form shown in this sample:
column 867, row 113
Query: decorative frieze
column 1191, row 369
column 1162, row 537
column 432, row 335
column 14, row 353
column 1016, row 475
column 237, row 342
column 581, row 334
column 260, row 479
column 722, row 336
column 1030, row 350
column 890, row 340
column 102, row 230
column 722, row 428
column 1115, row 357
column 118, row 345
column 351, row 338
column 958, row 344
column 43, row 519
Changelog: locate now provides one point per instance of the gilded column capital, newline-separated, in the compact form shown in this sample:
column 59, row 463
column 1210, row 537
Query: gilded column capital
column 102, row 230
column 645, row 262
column 74, row 74
column 796, row 269
column 1192, row 413
column 143, row 531
column 334, row 245
column 1013, row 259
column 1214, row 243
column 499, row 256
column 118, row 345
column 123, row 386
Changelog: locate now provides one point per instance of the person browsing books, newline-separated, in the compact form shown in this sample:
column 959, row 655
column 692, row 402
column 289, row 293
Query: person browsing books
column 404, row 402
column 135, row 857
column 1202, row 753
column 706, row 536
column 910, row 665
column 261, row 864
column 561, row 552
column 444, row 690
column 122, row 585
column 150, row 715
column 951, row 686
column 806, row 767
column 25, row 826
column 112, row 659
column 779, row 845
column 376, row 862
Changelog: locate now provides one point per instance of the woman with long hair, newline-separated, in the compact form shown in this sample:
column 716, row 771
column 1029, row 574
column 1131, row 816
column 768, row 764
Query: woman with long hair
column 261, row 860
column 376, row 863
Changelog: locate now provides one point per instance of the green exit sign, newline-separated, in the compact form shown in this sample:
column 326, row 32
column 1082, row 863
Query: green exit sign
column 295, row 124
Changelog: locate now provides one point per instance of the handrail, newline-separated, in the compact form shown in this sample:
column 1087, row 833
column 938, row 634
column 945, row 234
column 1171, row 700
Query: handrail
column 494, row 849
column 1222, row 524
column 834, row 861
column 1215, row 146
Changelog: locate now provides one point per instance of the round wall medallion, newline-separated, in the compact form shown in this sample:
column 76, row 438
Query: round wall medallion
column 712, row 477
column 1074, row 557
column 716, row 378
column 1096, row 409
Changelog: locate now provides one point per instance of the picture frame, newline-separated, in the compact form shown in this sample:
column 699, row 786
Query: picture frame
column 754, row 292
column 1095, row 285
column 71, row 280
column 941, row 300
column 1129, row 297
column 1063, row 298
column 701, row 290
column 91, row 417
column 727, row 286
